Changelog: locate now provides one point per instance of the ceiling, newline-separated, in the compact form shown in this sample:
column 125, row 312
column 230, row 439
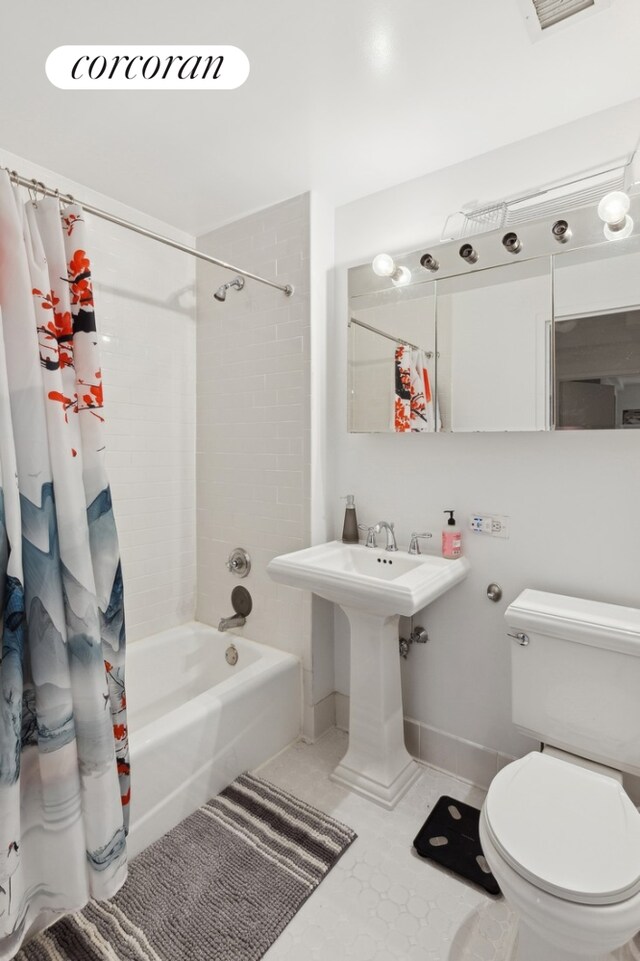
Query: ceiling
column 344, row 96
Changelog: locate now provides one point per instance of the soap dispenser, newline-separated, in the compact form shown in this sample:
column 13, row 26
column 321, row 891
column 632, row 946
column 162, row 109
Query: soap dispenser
column 350, row 527
column 451, row 538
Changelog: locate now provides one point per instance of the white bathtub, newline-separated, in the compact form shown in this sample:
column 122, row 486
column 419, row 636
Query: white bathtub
column 196, row 723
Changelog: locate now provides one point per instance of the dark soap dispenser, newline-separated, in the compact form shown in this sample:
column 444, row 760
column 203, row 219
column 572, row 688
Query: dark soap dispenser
column 350, row 527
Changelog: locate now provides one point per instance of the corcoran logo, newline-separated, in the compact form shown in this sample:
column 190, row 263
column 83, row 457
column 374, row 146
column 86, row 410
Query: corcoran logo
column 147, row 68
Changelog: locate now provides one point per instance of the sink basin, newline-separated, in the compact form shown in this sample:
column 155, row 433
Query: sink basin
column 374, row 588
column 376, row 581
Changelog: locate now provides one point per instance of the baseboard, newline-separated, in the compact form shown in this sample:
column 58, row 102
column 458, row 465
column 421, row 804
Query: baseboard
column 454, row 755
column 319, row 718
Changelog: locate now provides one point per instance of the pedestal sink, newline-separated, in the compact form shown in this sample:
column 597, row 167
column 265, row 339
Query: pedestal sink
column 374, row 588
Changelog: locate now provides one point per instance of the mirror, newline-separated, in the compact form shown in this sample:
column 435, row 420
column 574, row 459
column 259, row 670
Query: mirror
column 383, row 325
column 597, row 337
column 494, row 347
column 550, row 340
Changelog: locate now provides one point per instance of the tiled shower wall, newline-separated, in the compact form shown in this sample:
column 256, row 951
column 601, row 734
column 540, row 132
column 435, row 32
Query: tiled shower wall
column 145, row 311
column 145, row 298
column 253, row 434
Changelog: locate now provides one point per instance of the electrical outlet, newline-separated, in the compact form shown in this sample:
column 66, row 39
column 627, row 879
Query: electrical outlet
column 496, row 525
column 499, row 526
column 481, row 523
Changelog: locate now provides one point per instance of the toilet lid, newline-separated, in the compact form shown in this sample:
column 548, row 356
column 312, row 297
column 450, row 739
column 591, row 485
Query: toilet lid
column 570, row 831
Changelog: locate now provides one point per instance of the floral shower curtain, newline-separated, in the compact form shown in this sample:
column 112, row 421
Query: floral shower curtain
column 64, row 765
column 413, row 406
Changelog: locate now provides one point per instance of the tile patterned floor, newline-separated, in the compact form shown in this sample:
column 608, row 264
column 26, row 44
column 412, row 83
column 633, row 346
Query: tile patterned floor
column 382, row 902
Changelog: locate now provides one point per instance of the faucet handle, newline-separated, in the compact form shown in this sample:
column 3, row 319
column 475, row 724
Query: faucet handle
column 414, row 543
column 371, row 535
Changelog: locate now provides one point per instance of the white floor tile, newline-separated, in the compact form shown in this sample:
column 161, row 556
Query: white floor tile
column 382, row 902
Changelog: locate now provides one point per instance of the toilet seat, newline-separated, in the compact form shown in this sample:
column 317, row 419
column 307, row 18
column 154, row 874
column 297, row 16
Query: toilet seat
column 570, row 831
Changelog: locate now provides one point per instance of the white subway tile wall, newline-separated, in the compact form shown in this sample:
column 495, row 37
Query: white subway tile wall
column 145, row 311
column 253, row 430
column 145, row 307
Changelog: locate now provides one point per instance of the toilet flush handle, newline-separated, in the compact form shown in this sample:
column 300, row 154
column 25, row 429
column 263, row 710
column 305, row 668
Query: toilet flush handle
column 523, row 639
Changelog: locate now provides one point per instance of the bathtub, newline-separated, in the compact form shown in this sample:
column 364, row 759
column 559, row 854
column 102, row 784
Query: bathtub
column 197, row 722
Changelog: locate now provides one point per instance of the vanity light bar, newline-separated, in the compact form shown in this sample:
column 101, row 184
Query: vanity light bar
column 617, row 216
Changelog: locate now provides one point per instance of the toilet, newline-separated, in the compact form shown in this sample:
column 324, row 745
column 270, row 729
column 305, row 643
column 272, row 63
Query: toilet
column 558, row 831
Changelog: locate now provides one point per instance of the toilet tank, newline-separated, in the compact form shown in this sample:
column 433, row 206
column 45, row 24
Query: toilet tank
column 576, row 683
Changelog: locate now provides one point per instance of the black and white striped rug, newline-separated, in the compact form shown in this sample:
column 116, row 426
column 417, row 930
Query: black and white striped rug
column 221, row 886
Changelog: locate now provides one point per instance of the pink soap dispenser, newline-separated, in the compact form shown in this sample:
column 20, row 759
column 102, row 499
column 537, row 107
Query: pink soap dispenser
column 451, row 538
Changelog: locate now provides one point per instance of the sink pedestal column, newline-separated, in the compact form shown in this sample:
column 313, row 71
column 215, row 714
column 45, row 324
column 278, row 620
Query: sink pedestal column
column 377, row 764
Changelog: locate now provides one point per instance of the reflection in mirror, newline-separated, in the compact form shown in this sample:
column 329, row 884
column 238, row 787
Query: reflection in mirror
column 597, row 337
column 494, row 345
column 391, row 360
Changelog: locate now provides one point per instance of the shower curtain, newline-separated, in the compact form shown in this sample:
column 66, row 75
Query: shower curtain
column 64, row 765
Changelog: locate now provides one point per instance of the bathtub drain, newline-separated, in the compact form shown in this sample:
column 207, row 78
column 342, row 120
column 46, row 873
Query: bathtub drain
column 231, row 654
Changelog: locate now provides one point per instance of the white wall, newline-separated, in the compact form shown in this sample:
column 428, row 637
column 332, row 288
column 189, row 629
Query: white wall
column 144, row 295
column 562, row 490
column 254, row 417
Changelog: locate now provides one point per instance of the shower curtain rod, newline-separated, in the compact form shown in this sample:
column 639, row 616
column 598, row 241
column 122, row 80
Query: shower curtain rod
column 39, row 188
column 397, row 340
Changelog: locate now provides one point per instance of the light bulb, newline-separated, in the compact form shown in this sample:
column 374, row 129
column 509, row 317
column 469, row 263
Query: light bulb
column 383, row 265
column 619, row 232
column 613, row 208
column 401, row 277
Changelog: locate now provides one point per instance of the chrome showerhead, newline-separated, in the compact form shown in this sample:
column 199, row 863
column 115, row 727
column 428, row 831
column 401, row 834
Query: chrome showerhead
column 221, row 292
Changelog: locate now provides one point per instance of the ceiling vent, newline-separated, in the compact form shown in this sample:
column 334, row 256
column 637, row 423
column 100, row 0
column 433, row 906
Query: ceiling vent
column 550, row 12
column 544, row 17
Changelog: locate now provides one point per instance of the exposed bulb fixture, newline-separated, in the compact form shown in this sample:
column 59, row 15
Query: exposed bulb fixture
column 613, row 210
column 561, row 231
column 468, row 254
column 429, row 262
column 385, row 266
column 401, row 277
column 511, row 242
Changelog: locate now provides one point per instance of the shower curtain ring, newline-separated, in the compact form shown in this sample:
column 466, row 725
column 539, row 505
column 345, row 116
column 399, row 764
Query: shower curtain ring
column 38, row 187
column 33, row 192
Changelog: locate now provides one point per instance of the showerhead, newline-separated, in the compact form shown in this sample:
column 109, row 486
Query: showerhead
column 221, row 292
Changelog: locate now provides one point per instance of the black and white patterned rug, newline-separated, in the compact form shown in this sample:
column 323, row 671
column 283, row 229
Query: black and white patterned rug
column 220, row 886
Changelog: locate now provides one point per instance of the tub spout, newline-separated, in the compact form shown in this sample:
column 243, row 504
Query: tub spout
column 226, row 623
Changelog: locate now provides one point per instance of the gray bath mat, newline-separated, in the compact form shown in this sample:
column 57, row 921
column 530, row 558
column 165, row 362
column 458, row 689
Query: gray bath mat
column 221, row 886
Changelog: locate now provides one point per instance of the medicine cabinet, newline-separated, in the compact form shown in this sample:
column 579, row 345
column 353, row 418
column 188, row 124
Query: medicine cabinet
column 545, row 336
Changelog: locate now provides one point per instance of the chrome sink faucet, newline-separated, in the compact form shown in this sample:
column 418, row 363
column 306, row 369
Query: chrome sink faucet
column 391, row 537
